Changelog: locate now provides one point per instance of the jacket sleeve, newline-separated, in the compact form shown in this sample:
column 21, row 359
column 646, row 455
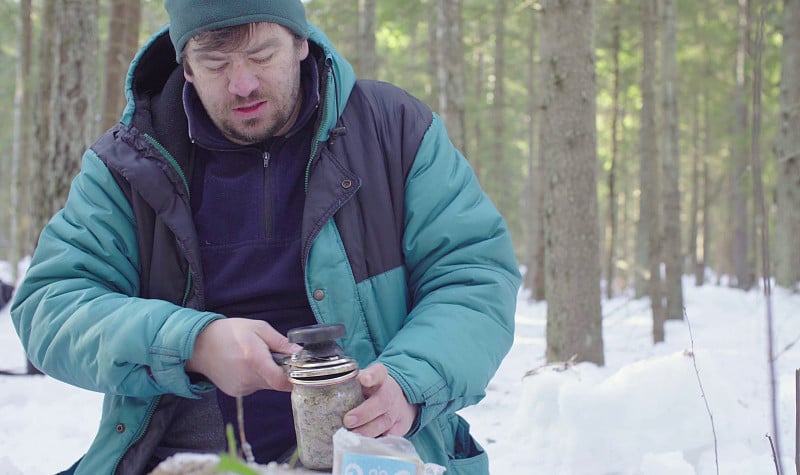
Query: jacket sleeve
column 463, row 280
column 76, row 310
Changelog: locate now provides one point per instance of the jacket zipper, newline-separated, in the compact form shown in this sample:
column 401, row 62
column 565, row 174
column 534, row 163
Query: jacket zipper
column 182, row 175
column 267, row 198
column 322, row 127
column 154, row 403
column 171, row 161
column 140, row 433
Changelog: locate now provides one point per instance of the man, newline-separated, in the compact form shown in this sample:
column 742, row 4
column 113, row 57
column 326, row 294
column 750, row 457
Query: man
column 253, row 185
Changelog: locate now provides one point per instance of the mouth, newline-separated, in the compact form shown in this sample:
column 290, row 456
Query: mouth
column 250, row 108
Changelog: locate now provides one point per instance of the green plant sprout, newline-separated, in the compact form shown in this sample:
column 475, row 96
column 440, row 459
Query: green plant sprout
column 231, row 462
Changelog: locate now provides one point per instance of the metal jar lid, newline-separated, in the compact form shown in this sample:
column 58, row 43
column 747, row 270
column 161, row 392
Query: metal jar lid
column 321, row 371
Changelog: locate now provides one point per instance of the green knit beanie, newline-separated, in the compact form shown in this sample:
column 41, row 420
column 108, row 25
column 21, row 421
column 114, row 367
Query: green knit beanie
column 190, row 17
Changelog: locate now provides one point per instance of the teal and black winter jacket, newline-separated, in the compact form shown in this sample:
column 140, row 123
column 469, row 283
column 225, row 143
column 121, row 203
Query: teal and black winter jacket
column 400, row 244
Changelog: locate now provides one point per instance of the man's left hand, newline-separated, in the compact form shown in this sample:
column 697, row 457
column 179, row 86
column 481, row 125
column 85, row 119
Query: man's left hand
column 386, row 410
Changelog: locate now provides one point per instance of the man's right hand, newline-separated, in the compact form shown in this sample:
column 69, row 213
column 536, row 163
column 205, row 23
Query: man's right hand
column 235, row 354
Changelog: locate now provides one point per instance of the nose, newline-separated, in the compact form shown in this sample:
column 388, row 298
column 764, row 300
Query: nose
column 241, row 81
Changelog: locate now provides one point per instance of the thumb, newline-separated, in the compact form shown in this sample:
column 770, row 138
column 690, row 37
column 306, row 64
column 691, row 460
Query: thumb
column 285, row 347
column 373, row 375
column 277, row 342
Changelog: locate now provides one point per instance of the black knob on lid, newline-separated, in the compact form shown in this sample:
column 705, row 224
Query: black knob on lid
column 319, row 333
column 319, row 341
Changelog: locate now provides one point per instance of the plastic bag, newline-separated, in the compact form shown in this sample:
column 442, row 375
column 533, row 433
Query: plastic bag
column 354, row 454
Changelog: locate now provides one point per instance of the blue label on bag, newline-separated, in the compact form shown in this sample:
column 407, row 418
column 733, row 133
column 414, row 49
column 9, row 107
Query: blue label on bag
column 360, row 464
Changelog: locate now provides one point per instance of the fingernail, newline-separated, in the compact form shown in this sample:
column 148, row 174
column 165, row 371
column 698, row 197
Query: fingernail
column 350, row 421
column 365, row 378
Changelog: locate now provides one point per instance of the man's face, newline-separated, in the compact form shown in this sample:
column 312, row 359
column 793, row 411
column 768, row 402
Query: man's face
column 253, row 92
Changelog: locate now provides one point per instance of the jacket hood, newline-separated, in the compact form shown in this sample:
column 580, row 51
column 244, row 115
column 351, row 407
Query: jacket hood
column 153, row 69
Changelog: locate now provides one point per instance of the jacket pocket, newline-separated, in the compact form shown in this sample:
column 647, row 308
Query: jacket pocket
column 466, row 457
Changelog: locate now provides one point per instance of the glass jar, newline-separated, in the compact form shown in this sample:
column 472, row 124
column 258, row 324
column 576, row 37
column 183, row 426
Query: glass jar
column 324, row 389
column 319, row 407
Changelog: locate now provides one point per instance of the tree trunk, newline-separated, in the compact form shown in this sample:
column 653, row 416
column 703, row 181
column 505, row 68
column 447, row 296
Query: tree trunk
column 672, row 255
column 535, row 275
column 500, row 184
column 611, row 263
column 72, row 112
column 647, row 225
column 40, row 211
column 41, row 119
column 694, row 211
column 649, row 228
column 21, row 144
column 627, row 206
column 450, row 69
column 711, row 190
column 787, row 149
column 701, row 268
column 431, row 62
column 480, row 95
column 367, row 54
column 124, row 20
column 744, row 275
column 568, row 136
column 134, row 15
column 761, row 229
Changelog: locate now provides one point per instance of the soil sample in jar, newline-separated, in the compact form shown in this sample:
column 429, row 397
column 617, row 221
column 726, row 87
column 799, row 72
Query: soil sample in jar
column 325, row 388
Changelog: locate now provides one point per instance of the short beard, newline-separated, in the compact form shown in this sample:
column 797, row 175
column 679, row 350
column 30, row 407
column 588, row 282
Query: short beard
column 257, row 136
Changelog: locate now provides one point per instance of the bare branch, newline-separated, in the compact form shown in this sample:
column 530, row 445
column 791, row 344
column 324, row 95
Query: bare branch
column 702, row 391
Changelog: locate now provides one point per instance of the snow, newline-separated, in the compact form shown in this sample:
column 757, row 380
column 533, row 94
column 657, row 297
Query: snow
column 647, row 411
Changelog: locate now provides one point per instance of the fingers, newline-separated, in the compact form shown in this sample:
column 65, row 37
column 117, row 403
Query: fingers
column 276, row 341
column 372, row 377
column 271, row 373
column 385, row 411
column 272, row 376
column 371, row 418
column 235, row 354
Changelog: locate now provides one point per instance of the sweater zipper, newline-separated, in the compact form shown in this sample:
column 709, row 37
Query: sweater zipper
column 266, row 157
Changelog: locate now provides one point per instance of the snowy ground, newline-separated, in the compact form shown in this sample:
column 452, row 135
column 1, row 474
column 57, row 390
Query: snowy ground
column 643, row 413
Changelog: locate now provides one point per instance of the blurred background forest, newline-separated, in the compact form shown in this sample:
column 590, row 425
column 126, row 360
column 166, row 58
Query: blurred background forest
column 682, row 156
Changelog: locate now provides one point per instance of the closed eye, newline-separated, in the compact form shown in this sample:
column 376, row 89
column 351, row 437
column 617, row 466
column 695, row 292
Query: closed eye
column 215, row 67
column 262, row 59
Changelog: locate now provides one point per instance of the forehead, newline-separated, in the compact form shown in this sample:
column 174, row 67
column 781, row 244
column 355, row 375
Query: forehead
column 241, row 38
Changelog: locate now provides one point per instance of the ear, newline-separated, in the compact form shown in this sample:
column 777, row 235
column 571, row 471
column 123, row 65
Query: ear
column 303, row 50
column 186, row 74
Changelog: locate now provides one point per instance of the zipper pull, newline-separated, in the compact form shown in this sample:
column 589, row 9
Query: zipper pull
column 266, row 157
